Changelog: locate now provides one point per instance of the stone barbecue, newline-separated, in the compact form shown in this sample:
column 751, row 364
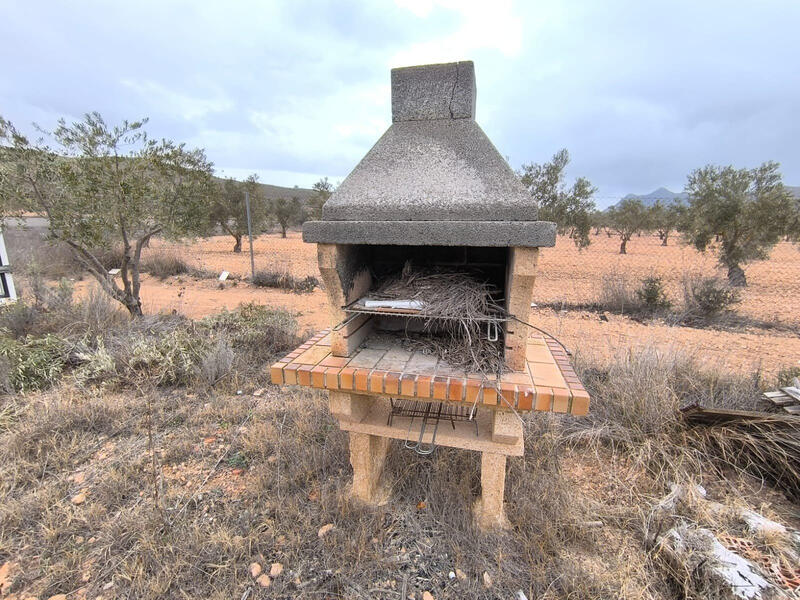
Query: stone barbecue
column 432, row 193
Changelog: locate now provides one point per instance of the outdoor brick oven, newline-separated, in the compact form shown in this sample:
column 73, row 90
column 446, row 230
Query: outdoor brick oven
column 432, row 196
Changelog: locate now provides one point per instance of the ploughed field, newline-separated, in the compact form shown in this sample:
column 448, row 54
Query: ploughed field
column 764, row 332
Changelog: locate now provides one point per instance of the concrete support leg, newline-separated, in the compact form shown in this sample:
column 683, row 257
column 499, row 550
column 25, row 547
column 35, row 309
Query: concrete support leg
column 367, row 455
column 488, row 508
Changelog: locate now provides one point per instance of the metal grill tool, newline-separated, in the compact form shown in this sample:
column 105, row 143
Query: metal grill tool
column 429, row 413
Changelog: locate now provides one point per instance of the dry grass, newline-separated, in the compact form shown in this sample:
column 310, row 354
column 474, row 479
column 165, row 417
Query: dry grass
column 191, row 527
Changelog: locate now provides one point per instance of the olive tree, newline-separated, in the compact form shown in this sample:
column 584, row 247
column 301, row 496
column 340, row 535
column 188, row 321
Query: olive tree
column 322, row 191
column 229, row 210
column 101, row 185
column 742, row 213
column 665, row 218
column 569, row 207
column 285, row 212
column 626, row 219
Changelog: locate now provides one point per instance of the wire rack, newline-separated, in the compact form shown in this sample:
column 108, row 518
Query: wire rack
column 430, row 413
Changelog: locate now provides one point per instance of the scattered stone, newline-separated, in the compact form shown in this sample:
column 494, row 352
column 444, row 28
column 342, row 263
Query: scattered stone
column 264, row 581
column 460, row 574
column 325, row 529
column 108, row 586
column 487, row 579
column 426, row 595
column 451, row 575
column 255, row 569
column 78, row 477
column 58, row 597
column 276, row 569
column 78, row 499
column 209, row 440
column 258, row 392
column 272, row 458
column 313, row 496
column 237, row 472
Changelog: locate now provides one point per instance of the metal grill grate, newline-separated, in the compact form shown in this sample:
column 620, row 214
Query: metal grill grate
column 429, row 412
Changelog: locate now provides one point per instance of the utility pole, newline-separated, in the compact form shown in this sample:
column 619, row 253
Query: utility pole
column 250, row 235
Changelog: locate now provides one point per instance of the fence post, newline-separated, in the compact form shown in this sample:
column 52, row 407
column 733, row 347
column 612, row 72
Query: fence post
column 250, row 235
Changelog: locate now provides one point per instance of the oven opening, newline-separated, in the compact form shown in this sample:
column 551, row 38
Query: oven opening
column 448, row 302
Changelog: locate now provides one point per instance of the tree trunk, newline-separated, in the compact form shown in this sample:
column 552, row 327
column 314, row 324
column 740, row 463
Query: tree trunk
column 736, row 276
column 622, row 246
column 134, row 306
column 283, row 231
column 237, row 247
column 664, row 239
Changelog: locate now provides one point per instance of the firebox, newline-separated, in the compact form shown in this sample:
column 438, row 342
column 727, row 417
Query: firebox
column 428, row 252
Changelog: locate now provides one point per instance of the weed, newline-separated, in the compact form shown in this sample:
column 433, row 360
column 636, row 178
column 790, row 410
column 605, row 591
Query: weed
column 707, row 297
column 651, row 294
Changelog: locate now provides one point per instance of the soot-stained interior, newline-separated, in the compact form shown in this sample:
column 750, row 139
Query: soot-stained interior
column 485, row 264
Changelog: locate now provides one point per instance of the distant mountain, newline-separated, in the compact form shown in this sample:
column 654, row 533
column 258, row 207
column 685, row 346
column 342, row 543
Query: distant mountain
column 662, row 195
column 794, row 190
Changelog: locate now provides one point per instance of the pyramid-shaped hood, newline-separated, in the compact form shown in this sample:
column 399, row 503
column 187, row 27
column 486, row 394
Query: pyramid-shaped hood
column 434, row 176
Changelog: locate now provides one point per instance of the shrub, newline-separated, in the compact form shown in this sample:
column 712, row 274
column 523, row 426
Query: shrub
column 651, row 294
column 217, row 362
column 787, row 376
column 257, row 333
column 285, row 281
column 707, row 297
column 165, row 264
column 617, row 294
column 171, row 359
column 32, row 363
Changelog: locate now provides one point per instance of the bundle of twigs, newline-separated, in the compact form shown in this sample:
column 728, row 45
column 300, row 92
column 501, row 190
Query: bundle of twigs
column 456, row 307
column 768, row 447
column 443, row 294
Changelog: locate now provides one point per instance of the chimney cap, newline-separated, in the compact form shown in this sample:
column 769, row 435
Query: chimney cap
column 431, row 92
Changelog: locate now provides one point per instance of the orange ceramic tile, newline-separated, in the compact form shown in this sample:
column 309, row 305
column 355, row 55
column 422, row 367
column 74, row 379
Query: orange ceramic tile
column 376, row 381
column 525, row 396
column 547, row 375
column 332, row 378
column 276, row 373
column 508, row 395
column 334, row 361
column 518, row 378
column 407, row 384
column 318, row 377
column 304, row 374
column 544, row 398
column 580, row 403
column 346, row 378
column 290, row 374
column 361, row 379
column 391, row 384
column 473, row 390
column 424, row 386
column 440, row 388
column 313, row 355
column 561, row 399
column 456, row 391
column 537, row 353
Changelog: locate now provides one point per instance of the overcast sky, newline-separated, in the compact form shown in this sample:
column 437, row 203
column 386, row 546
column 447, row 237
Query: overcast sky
column 639, row 92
